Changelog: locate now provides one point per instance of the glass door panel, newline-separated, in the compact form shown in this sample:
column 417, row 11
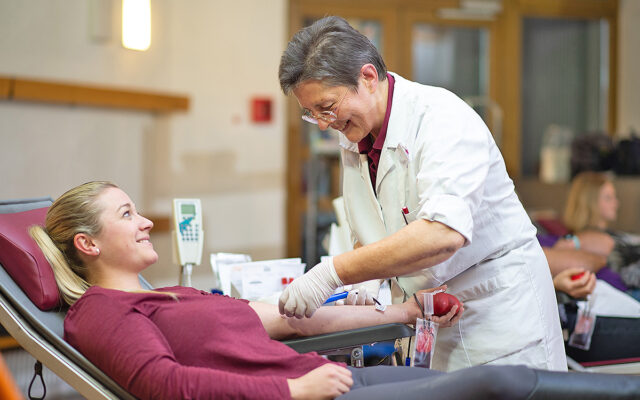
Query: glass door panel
column 565, row 81
column 457, row 58
column 371, row 28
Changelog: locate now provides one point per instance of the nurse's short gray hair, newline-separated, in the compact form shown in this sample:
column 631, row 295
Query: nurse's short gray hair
column 329, row 50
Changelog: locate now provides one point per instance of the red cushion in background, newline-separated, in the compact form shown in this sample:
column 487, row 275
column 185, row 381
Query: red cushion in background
column 553, row 226
column 23, row 260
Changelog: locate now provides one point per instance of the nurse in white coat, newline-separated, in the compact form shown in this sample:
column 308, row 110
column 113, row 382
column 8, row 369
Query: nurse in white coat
column 428, row 202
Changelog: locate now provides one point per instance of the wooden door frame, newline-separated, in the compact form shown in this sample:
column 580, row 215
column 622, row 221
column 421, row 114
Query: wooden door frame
column 298, row 11
column 509, row 62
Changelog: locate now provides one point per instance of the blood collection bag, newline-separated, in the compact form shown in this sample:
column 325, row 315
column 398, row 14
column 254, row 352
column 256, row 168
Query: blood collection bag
column 426, row 332
column 581, row 335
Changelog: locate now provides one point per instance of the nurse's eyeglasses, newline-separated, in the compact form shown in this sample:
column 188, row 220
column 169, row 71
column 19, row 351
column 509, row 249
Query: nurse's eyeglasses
column 327, row 116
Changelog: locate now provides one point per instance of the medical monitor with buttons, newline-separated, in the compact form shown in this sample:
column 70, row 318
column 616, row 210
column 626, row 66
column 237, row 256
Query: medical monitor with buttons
column 188, row 232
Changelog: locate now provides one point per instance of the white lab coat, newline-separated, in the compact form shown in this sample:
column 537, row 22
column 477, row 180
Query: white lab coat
column 440, row 161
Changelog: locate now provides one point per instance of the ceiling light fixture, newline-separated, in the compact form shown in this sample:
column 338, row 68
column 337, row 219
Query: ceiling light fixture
column 136, row 24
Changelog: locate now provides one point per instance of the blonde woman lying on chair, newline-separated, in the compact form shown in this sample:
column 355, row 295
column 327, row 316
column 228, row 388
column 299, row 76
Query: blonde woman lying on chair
column 182, row 343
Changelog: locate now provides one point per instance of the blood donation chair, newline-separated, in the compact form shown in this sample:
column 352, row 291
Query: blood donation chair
column 31, row 312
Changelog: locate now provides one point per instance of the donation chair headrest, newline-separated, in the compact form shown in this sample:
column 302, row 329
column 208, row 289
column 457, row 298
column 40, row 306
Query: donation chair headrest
column 23, row 260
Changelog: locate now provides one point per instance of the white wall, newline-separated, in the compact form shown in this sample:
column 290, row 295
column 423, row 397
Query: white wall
column 218, row 53
column 45, row 150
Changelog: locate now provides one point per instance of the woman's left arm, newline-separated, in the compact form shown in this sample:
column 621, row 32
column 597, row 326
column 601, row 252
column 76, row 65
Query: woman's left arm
column 596, row 242
column 333, row 319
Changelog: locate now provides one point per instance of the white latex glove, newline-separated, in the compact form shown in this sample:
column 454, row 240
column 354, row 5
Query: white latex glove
column 305, row 294
column 362, row 294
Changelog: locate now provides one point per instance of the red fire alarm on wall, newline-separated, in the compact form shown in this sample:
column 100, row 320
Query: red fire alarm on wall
column 261, row 109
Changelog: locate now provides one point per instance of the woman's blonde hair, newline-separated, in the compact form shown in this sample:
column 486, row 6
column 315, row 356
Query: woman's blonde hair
column 582, row 210
column 76, row 211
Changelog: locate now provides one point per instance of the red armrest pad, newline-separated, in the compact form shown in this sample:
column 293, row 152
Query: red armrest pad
column 23, row 260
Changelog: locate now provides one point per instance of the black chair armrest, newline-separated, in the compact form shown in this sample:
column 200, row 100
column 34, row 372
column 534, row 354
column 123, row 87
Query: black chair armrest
column 350, row 338
column 584, row 386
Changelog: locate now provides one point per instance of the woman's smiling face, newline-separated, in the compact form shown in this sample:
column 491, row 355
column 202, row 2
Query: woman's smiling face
column 124, row 238
column 355, row 110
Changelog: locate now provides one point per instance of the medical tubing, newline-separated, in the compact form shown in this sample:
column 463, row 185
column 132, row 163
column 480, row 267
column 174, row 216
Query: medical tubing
column 407, row 361
column 462, row 342
column 419, row 305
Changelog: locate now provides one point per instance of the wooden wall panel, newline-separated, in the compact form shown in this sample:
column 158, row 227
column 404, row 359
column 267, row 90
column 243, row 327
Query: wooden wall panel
column 88, row 95
column 5, row 87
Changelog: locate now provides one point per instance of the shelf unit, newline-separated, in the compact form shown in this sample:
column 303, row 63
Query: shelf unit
column 323, row 184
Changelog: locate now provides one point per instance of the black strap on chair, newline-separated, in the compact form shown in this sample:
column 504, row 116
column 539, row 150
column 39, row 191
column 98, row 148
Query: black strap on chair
column 37, row 372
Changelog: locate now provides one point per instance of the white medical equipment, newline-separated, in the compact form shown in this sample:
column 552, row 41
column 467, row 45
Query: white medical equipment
column 256, row 280
column 220, row 266
column 188, row 236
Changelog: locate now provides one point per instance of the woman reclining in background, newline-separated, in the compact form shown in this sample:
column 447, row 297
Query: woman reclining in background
column 183, row 343
column 574, row 261
column 591, row 206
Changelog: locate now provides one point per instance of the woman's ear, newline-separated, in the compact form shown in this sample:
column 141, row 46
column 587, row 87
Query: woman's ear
column 85, row 244
column 370, row 75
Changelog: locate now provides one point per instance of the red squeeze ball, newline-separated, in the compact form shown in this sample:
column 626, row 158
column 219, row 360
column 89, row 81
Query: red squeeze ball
column 443, row 302
column 577, row 276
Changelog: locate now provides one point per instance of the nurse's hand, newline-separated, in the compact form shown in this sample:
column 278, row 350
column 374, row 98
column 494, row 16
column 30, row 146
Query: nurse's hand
column 447, row 320
column 305, row 294
column 358, row 297
column 362, row 294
